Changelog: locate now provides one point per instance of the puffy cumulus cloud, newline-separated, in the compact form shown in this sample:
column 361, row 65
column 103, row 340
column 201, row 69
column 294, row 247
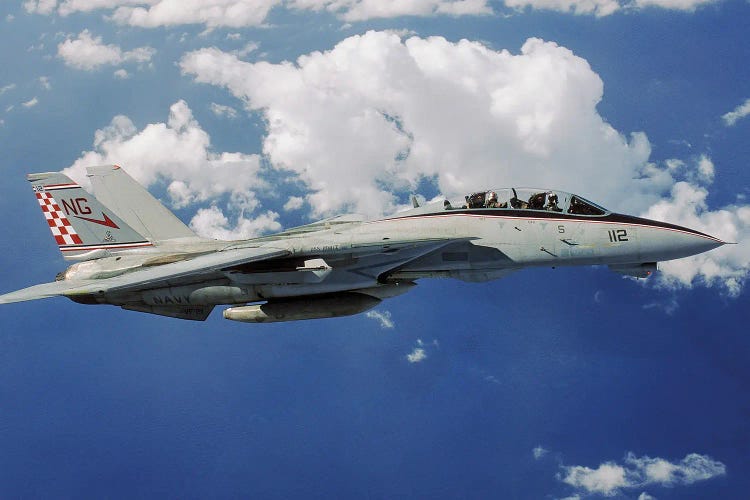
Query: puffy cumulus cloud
column 686, row 205
column 87, row 52
column 212, row 223
column 179, row 153
column 637, row 472
column 376, row 114
column 605, row 479
column 382, row 317
column 359, row 10
column 598, row 8
column 738, row 113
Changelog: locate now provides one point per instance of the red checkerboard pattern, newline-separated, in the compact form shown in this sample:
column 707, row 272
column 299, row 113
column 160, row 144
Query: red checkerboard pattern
column 60, row 226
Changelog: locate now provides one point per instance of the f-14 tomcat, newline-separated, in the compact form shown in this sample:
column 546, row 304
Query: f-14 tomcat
column 134, row 253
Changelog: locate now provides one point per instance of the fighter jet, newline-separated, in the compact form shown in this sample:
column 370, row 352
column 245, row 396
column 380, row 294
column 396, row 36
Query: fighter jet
column 132, row 252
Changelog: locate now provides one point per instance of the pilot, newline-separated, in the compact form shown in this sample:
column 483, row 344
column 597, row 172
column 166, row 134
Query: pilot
column 536, row 201
column 492, row 200
column 447, row 205
column 552, row 203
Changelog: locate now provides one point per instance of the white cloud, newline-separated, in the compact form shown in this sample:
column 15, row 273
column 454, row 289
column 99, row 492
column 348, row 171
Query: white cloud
column 360, row 10
column 384, row 318
column 121, row 74
column 645, row 496
column 403, row 115
column 606, row 479
column 294, row 203
column 30, row 103
column 212, row 223
column 420, row 351
column 727, row 266
column 44, row 82
column 40, row 6
column 417, row 355
column 610, row 478
column 178, row 153
column 247, row 49
column 601, row 8
column 222, row 110
column 7, row 88
column 683, row 5
column 89, row 53
column 598, row 8
column 691, row 469
column 211, row 13
column 738, row 113
column 244, row 13
column 539, row 452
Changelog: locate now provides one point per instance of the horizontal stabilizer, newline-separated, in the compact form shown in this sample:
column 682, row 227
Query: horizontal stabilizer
column 192, row 270
column 42, row 291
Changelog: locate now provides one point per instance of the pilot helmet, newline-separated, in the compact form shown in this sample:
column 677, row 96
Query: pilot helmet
column 492, row 196
column 551, row 197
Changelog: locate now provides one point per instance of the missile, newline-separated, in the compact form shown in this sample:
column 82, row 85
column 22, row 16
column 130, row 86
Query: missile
column 326, row 306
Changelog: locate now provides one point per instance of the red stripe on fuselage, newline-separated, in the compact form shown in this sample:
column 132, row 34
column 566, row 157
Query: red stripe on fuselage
column 612, row 219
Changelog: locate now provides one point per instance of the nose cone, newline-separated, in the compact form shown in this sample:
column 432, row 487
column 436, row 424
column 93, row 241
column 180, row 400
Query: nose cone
column 692, row 244
column 668, row 241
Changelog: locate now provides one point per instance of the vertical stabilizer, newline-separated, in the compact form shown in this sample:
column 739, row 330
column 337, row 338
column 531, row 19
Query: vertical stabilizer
column 80, row 224
column 135, row 205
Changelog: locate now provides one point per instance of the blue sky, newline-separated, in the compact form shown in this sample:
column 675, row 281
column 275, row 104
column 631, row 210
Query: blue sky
column 265, row 114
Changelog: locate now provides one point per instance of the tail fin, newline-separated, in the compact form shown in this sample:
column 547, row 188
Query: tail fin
column 120, row 192
column 82, row 227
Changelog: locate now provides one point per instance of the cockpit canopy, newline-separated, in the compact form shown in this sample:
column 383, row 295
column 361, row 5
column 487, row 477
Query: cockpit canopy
column 529, row 199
